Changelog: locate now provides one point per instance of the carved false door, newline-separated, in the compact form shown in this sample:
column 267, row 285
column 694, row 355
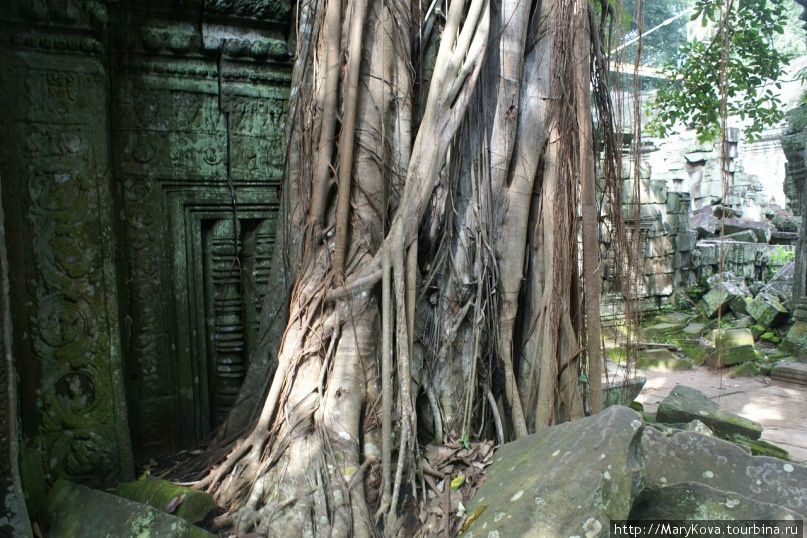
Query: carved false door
column 236, row 263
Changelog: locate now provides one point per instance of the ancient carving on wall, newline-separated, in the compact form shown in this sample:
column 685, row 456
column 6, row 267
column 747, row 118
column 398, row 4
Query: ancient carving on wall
column 198, row 132
column 61, row 245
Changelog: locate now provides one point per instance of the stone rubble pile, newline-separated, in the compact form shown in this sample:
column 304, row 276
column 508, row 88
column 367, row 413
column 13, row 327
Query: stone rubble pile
column 734, row 324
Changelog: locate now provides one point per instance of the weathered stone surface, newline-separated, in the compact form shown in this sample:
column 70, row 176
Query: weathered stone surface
column 781, row 285
column 684, row 404
column 768, row 310
column 720, row 211
column 724, row 296
column 695, row 329
column 72, row 510
column 662, row 332
column 746, row 369
column 691, row 457
column 725, row 276
column 685, row 241
column 662, row 360
column 705, row 224
column 695, row 350
column 693, row 501
column 659, row 284
column 60, row 231
column 795, row 372
column 784, row 238
column 622, row 392
column 758, row 447
column 678, row 318
column 746, row 236
column 761, row 229
column 660, row 246
column 732, row 337
column 785, row 223
column 796, row 337
column 194, row 507
column 729, row 356
column 568, row 480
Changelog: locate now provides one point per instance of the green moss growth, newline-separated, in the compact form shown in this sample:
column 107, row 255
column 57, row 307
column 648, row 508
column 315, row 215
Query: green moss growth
column 696, row 292
column 758, row 447
column 195, row 506
column 747, row 369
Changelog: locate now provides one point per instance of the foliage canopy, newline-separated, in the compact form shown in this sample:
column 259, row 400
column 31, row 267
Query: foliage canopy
column 734, row 66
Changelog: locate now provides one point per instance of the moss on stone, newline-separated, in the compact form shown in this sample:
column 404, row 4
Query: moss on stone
column 758, row 447
column 747, row 369
column 195, row 506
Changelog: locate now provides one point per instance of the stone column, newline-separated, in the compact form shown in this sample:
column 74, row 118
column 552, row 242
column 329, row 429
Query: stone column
column 54, row 159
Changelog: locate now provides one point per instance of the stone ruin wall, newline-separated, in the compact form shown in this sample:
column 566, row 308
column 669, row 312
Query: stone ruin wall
column 141, row 150
column 680, row 178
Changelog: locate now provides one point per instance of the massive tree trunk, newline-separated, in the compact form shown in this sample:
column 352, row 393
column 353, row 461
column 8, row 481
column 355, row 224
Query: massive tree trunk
column 427, row 277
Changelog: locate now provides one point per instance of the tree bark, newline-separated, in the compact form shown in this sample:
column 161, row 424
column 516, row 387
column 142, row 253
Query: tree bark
column 430, row 231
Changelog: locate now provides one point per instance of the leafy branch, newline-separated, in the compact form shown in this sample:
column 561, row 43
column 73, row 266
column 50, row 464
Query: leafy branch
column 753, row 65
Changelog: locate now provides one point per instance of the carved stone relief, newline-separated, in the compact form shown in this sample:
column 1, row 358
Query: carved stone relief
column 198, row 127
column 139, row 224
column 61, row 246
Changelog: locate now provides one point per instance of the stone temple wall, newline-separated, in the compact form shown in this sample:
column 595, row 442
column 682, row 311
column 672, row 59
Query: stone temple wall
column 141, row 149
column 679, row 185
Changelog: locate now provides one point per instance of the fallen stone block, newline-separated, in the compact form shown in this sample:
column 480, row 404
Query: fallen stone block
column 720, row 211
column 622, row 392
column 73, row 510
column 684, row 404
column 781, row 285
column 678, row 318
column 729, row 356
column 704, row 224
column 663, row 332
column 661, row 360
column 794, row 372
column 762, row 230
column 796, row 337
column 768, row 310
column 694, row 350
column 725, row 276
column 784, row 238
column 743, row 322
column 724, row 296
column 732, row 337
column 746, row 369
column 695, row 329
column 785, row 223
column 746, row 236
